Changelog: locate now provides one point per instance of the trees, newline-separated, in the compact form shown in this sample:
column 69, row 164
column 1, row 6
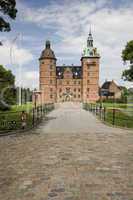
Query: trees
column 127, row 55
column 7, row 7
column 7, row 92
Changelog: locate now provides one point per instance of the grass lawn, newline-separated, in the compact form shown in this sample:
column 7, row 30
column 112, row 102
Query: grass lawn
column 118, row 105
column 11, row 119
column 122, row 119
column 25, row 107
column 123, row 113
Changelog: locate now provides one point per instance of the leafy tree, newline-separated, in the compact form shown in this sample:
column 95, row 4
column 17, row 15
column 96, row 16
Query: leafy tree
column 127, row 55
column 7, row 81
column 8, row 8
column 124, row 95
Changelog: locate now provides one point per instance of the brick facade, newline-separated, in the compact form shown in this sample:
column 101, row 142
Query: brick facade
column 70, row 83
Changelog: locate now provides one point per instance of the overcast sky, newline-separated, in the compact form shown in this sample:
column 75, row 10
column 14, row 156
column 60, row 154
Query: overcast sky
column 66, row 24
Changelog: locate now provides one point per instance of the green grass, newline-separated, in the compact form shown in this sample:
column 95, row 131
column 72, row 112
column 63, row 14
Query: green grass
column 11, row 119
column 123, row 113
column 16, row 108
column 25, row 107
column 121, row 119
column 118, row 105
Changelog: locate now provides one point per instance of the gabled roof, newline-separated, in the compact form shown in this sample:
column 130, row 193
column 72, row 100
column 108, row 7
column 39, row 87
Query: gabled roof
column 76, row 70
column 106, row 85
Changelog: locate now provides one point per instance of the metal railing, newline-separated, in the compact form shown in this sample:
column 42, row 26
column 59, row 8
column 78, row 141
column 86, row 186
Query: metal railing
column 10, row 121
column 114, row 116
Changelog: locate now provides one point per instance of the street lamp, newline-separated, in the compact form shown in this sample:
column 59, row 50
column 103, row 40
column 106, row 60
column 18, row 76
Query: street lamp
column 36, row 95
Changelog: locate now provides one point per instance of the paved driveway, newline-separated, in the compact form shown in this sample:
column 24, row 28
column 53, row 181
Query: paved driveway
column 71, row 156
column 71, row 118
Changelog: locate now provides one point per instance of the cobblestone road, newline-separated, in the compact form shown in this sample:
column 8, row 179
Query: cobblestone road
column 71, row 156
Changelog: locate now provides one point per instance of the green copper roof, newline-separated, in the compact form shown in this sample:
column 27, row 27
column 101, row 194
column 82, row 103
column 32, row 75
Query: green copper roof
column 90, row 52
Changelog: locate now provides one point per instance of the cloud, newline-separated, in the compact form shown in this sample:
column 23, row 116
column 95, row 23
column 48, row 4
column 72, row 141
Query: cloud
column 28, row 79
column 68, row 25
column 13, row 54
column 16, row 58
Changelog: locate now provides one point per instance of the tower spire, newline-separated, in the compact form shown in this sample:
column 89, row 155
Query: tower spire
column 47, row 44
column 90, row 30
column 90, row 39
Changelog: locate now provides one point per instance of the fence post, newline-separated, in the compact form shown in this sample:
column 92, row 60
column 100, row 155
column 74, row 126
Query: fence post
column 41, row 112
column 37, row 114
column 100, row 111
column 113, row 116
column 96, row 110
column 104, row 116
column 33, row 117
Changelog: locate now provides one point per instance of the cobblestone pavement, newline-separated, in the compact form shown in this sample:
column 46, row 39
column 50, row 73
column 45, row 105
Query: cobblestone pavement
column 71, row 156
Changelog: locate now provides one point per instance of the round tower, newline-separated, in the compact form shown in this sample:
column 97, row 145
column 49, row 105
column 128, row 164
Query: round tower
column 48, row 74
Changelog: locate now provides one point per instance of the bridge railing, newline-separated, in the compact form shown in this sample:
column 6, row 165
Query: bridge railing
column 13, row 120
column 114, row 116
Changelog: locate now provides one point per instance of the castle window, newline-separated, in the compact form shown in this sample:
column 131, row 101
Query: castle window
column 88, row 73
column 51, row 67
column 78, row 96
column 51, row 96
column 74, row 96
column 51, row 89
column 79, row 89
column 74, row 89
column 42, row 62
column 88, row 81
column 67, row 90
column 67, row 82
column 88, row 89
column 50, row 73
column 60, row 90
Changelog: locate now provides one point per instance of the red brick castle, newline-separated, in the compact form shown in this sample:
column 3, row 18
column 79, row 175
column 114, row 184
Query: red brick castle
column 70, row 83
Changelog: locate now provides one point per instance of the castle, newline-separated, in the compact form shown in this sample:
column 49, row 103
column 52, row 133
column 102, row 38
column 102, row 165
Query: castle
column 70, row 83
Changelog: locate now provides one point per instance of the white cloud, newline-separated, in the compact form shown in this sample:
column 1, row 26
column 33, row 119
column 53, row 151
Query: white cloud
column 70, row 21
column 13, row 54
column 16, row 58
column 27, row 79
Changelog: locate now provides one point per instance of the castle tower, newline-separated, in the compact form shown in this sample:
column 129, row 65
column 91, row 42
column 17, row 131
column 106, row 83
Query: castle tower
column 90, row 71
column 48, row 74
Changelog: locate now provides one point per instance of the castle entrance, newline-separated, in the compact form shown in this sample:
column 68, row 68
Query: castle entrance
column 67, row 97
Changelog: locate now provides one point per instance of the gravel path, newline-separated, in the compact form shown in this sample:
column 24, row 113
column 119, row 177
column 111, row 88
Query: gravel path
column 71, row 156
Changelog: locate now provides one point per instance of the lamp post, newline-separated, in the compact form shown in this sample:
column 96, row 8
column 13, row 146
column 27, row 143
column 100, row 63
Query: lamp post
column 35, row 99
